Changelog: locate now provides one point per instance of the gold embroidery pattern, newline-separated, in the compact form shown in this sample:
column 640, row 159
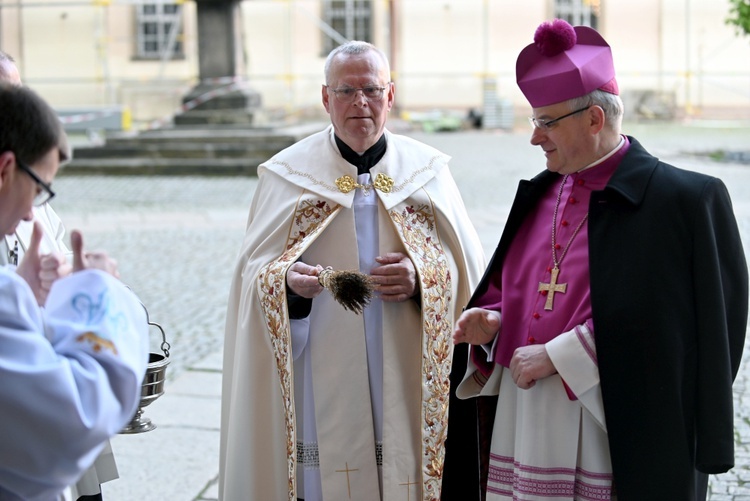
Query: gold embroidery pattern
column 311, row 217
column 346, row 183
column 309, row 214
column 411, row 178
column 417, row 228
column 307, row 175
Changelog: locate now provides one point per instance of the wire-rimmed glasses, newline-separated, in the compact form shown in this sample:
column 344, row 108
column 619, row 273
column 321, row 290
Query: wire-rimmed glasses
column 347, row 94
column 545, row 124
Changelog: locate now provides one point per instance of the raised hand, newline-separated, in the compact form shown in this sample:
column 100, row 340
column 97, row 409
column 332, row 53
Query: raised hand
column 52, row 267
column 98, row 260
column 30, row 265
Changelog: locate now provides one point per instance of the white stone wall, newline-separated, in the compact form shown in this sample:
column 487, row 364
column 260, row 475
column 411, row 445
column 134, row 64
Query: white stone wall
column 79, row 53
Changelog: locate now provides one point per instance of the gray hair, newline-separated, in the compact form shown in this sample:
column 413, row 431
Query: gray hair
column 354, row 47
column 610, row 103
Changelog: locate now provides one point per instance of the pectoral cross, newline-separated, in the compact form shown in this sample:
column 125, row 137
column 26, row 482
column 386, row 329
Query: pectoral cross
column 552, row 287
column 408, row 485
column 348, row 485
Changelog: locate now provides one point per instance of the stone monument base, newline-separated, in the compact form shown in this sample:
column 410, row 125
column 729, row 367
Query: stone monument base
column 212, row 104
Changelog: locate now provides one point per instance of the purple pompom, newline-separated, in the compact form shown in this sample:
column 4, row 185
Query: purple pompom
column 552, row 38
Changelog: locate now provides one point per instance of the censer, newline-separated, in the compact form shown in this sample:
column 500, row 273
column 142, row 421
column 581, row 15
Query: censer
column 152, row 386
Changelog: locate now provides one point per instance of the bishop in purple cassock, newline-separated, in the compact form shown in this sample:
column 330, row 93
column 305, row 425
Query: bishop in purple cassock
column 608, row 329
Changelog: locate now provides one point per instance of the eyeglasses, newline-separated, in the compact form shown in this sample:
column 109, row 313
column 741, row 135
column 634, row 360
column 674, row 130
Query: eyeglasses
column 45, row 193
column 347, row 94
column 547, row 124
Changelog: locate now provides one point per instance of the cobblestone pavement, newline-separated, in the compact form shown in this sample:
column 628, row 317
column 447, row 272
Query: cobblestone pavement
column 176, row 239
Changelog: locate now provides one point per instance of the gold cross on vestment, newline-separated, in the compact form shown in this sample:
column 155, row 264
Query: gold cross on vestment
column 408, row 485
column 348, row 485
column 552, row 287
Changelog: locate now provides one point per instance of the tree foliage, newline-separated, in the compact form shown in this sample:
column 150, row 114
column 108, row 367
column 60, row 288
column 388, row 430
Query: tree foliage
column 739, row 16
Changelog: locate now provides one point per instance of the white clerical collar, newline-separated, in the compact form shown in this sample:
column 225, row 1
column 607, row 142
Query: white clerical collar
column 597, row 162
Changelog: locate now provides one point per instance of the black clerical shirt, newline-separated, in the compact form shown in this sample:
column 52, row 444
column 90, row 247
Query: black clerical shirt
column 367, row 159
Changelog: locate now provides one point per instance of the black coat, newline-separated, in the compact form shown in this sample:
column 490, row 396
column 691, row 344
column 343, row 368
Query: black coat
column 669, row 293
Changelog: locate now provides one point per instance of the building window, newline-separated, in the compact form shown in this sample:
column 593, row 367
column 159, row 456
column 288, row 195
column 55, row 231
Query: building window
column 159, row 26
column 579, row 12
column 350, row 18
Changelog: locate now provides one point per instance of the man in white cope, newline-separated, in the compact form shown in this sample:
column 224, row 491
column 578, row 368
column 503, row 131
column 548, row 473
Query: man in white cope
column 611, row 320
column 320, row 403
column 55, row 263
column 72, row 370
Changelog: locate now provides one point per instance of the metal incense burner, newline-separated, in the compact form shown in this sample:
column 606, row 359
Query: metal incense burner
column 152, row 386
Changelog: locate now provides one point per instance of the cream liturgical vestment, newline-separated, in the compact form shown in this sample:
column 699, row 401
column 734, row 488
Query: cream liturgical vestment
column 304, row 210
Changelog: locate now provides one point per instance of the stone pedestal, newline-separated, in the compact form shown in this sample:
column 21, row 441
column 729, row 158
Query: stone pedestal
column 219, row 104
column 221, row 97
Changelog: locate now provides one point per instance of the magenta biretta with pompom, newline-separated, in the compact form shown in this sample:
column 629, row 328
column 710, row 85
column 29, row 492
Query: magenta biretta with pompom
column 564, row 62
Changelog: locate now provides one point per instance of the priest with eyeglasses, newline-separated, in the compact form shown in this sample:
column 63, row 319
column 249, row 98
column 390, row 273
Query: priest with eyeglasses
column 322, row 403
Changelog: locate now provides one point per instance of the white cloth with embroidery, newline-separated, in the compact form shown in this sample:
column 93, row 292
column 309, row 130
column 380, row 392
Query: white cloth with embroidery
column 71, row 375
column 296, row 202
column 53, row 234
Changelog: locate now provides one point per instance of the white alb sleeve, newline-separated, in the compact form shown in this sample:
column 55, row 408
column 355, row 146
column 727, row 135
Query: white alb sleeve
column 573, row 354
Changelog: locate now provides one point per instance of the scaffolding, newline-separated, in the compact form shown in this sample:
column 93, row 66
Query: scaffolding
column 448, row 55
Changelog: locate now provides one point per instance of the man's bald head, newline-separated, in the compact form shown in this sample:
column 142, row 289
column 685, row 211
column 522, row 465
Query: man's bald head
column 9, row 70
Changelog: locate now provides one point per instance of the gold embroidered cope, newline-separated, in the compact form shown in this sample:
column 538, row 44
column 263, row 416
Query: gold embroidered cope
column 417, row 227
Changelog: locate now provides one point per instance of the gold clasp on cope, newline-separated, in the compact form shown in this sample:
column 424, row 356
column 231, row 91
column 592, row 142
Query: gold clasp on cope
column 382, row 183
column 346, row 184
